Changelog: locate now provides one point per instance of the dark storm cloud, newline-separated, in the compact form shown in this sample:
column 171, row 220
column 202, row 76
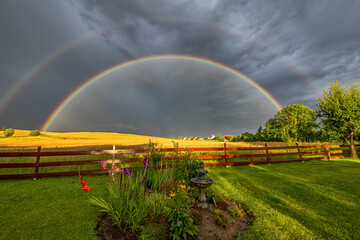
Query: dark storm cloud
column 291, row 48
column 180, row 97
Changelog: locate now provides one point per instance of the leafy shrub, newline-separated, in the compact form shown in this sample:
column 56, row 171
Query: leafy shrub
column 186, row 165
column 2, row 128
column 35, row 133
column 179, row 218
column 180, row 195
column 9, row 132
column 218, row 137
column 181, row 224
column 159, row 204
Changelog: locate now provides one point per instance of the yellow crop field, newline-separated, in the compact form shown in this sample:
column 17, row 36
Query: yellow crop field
column 21, row 139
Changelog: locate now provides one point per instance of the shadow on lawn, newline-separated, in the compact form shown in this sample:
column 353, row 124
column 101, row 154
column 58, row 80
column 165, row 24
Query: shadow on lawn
column 303, row 205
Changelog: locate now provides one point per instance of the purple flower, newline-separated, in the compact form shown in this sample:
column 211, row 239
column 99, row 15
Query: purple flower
column 103, row 164
column 114, row 167
column 146, row 163
column 122, row 171
column 127, row 172
column 141, row 178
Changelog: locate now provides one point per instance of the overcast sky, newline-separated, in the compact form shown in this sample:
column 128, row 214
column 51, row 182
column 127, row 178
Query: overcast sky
column 292, row 49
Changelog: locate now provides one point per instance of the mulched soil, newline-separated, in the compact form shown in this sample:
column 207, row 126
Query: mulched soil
column 107, row 231
column 208, row 228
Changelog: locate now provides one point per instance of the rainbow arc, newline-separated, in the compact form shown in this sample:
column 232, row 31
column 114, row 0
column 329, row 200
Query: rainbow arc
column 102, row 74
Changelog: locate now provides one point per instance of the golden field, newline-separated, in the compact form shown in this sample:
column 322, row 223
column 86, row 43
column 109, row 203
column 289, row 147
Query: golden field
column 21, row 138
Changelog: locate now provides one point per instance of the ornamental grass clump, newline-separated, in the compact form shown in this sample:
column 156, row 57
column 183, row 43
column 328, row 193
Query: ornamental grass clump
column 128, row 200
column 125, row 201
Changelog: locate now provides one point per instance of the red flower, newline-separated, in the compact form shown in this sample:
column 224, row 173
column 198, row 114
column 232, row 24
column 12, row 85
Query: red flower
column 222, row 205
column 84, row 185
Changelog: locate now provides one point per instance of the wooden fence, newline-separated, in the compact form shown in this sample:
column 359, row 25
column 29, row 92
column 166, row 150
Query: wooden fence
column 217, row 156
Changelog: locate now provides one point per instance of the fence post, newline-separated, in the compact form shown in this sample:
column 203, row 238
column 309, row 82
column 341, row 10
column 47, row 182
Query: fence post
column 267, row 153
column 226, row 159
column 113, row 154
column 327, row 151
column 299, row 152
column 36, row 173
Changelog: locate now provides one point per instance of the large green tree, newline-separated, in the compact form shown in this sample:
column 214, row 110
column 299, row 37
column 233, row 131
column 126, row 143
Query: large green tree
column 339, row 111
column 295, row 122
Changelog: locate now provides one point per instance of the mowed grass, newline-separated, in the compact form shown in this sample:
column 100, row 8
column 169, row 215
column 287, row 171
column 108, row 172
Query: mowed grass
column 310, row 200
column 49, row 208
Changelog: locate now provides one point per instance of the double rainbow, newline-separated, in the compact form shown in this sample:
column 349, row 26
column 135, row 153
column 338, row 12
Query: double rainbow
column 99, row 76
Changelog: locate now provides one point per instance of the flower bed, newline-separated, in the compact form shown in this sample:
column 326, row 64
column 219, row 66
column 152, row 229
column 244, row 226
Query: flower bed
column 159, row 203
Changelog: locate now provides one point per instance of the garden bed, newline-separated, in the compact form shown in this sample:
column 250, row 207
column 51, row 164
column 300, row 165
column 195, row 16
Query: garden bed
column 204, row 220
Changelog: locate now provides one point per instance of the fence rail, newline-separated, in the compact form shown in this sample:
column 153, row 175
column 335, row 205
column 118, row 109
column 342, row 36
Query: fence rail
column 223, row 156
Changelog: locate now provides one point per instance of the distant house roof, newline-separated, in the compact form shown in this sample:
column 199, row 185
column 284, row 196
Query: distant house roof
column 228, row 137
column 211, row 137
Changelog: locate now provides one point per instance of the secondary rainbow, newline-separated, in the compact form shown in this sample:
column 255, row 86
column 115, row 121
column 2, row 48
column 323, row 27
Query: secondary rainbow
column 55, row 55
column 68, row 99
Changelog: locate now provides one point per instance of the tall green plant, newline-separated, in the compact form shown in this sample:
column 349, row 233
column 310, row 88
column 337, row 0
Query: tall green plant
column 185, row 163
column 179, row 218
column 158, row 177
column 181, row 224
column 125, row 202
column 155, row 155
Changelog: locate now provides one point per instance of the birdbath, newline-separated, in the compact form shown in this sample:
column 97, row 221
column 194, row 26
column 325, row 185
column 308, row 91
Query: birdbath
column 202, row 183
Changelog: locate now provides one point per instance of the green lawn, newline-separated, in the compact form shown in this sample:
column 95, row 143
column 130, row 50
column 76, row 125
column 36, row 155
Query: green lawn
column 310, row 200
column 48, row 208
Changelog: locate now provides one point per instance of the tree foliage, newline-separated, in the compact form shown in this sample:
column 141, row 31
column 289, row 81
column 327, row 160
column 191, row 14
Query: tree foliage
column 295, row 122
column 218, row 137
column 9, row 132
column 339, row 111
column 34, row 133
